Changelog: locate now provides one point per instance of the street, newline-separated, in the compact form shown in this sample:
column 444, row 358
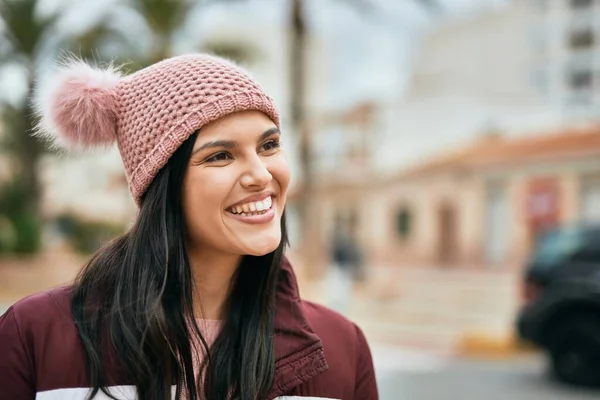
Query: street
column 427, row 377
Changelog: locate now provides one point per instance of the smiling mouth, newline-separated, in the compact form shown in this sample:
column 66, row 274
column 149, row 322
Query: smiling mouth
column 252, row 208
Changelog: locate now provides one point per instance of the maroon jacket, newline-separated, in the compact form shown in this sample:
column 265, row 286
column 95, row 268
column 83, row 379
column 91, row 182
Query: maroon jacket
column 319, row 353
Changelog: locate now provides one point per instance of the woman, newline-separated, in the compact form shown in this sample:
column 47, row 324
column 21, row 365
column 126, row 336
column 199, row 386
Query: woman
column 196, row 301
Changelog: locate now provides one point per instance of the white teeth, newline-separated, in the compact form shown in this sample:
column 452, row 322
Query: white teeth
column 251, row 208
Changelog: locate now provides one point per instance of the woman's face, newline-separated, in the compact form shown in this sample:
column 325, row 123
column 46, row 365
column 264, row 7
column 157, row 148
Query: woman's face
column 235, row 186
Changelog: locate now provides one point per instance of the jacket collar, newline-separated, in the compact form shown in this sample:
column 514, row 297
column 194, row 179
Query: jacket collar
column 299, row 352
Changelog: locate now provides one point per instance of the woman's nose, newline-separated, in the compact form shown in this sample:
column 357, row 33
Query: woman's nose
column 257, row 175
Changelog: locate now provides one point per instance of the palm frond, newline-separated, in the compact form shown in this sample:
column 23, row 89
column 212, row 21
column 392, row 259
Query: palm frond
column 163, row 16
column 240, row 52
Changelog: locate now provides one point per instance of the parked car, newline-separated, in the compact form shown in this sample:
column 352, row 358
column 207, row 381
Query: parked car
column 561, row 310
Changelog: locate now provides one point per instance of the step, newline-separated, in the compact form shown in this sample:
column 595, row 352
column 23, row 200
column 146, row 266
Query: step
column 411, row 335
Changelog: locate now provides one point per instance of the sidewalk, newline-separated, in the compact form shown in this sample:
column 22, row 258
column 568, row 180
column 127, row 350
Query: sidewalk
column 20, row 277
column 456, row 311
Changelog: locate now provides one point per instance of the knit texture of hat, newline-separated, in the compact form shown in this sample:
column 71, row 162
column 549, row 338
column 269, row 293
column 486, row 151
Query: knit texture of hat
column 150, row 113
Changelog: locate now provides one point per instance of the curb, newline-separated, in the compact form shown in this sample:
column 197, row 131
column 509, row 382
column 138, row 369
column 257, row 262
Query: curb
column 487, row 345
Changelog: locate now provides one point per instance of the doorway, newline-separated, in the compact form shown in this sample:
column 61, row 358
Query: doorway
column 448, row 234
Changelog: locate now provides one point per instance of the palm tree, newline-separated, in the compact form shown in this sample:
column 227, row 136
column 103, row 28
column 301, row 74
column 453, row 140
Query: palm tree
column 24, row 32
column 20, row 198
column 25, row 35
column 165, row 18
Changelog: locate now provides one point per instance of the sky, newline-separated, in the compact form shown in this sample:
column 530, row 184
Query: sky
column 369, row 56
column 372, row 52
column 382, row 45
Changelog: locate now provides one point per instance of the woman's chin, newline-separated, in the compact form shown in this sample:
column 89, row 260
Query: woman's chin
column 263, row 246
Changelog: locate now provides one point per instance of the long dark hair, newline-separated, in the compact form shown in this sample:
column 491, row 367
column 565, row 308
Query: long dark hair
column 132, row 305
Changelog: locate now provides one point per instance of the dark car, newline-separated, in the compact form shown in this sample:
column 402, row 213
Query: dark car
column 561, row 311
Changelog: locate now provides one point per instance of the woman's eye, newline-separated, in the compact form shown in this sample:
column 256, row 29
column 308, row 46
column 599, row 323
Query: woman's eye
column 271, row 145
column 219, row 157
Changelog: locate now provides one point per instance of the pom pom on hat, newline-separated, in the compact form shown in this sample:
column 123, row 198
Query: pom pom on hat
column 77, row 106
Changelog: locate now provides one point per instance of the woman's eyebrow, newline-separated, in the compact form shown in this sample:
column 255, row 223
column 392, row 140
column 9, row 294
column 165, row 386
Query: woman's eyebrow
column 229, row 144
column 268, row 133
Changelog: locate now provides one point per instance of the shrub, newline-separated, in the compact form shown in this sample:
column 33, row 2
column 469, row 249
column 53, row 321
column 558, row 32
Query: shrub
column 21, row 226
column 87, row 236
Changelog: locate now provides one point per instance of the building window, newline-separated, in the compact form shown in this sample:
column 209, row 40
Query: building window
column 580, row 80
column 580, row 4
column 404, row 223
column 582, row 39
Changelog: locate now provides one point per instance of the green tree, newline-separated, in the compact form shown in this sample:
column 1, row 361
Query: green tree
column 165, row 19
column 25, row 36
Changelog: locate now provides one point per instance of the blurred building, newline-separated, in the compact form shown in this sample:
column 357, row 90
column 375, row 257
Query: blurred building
column 476, row 198
column 485, row 203
column 521, row 68
column 565, row 46
column 469, row 76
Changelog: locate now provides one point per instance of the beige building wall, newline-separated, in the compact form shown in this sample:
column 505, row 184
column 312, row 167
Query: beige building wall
column 518, row 232
column 424, row 195
column 424, row 200
column 389, row 200
column 472, row 220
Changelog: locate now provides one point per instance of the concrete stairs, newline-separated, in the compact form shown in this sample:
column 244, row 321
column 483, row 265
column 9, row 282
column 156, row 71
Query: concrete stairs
column 434, row 308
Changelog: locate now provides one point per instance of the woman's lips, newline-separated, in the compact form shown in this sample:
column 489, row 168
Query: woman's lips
column 255, row 217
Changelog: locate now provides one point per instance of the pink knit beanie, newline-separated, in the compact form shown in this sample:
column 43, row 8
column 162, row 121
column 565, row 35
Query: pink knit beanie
column 149, row 113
